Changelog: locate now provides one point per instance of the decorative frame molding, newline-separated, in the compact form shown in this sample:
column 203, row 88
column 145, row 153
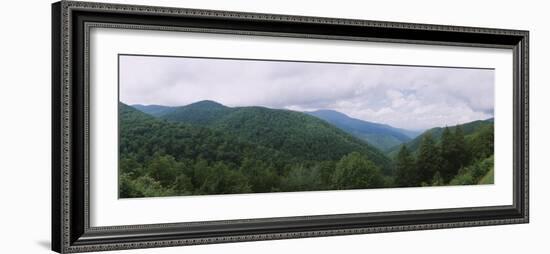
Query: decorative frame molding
column 71, row 22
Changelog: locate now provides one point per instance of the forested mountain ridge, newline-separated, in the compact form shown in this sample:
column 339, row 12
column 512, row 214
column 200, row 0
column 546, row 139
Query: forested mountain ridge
column 292, row 132
column 208, row 148
column 143, row 135
column 452, row 159
column 201, row 113
column 154, row 110
column 158, row 157
column 379, row 135
column 468, row 129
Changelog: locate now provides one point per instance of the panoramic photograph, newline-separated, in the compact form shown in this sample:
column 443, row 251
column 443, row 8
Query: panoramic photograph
column 210, row 126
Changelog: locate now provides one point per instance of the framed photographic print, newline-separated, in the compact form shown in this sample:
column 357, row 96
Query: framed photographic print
column 181, row 126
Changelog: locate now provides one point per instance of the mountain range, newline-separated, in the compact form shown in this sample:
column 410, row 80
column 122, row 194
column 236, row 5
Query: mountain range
column 284, row 128
column 379, row 135
column 209, row 148
column 207, row 112
column 302, row 135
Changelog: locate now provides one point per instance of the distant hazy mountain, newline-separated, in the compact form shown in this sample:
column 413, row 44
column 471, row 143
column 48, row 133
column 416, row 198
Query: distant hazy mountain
column 203, row 113
column 154, row 110
column 298, row 134
column 470, row 128
column 381, row 136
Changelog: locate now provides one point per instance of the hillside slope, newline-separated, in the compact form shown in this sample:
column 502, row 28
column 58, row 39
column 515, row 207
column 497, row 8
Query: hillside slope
column 142, row 135
column 469, row 129
column 381, row 136
column 254, row 150
column 303, row 136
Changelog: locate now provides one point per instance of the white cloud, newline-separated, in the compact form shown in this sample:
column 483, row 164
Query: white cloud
column 402, row 96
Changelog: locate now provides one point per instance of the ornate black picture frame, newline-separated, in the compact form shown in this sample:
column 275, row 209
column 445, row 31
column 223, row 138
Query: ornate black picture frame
column 71, row 231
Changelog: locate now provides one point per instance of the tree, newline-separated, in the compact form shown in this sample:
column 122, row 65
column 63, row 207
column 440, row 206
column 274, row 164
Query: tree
column 301, row 178
column 482, row 143
column 354, row 171
column 183, row 185
column 219, row 179
column 261, row 176
column 326, row 169
column 164, row 169
column 429, row 160
column 200, row 172
column 126, row 189
column 448, row 155
column 128, row 164
column 437, row 180
column 232, row 181
column 454, row 152
column 462, row 153
column 143, row 186
column 405, row 174
column 474, row 173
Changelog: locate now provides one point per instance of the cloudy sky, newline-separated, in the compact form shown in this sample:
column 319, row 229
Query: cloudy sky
column 408, row 97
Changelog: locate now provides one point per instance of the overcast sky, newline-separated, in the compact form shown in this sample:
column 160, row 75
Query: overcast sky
column 402, row 96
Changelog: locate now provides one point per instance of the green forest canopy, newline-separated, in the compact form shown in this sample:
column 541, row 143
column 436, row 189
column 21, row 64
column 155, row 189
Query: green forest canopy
column 212, row 149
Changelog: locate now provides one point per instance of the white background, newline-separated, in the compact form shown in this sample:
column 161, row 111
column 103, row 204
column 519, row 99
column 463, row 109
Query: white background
column 25, row 128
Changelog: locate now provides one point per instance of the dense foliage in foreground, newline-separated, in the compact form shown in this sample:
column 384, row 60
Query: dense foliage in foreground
column 213, row 149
